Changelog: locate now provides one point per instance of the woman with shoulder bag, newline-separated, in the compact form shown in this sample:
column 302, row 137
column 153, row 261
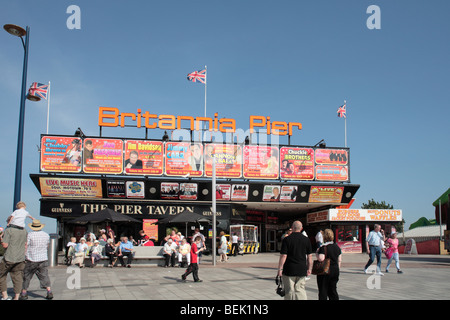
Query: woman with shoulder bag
column 327, row 284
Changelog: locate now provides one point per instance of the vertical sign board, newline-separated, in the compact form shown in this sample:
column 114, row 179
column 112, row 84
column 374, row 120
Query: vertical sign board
column 143, row 158
column 296, row 163
column 103, row 156
column 228, row 159
column 61, row 154
column 183, row 159
column 261, row 162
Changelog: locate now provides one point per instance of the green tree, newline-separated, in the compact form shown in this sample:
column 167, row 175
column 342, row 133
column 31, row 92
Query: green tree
column 372, row 204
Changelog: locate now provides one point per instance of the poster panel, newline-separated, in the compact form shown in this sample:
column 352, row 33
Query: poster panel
column 103, row 156
column 331, row 173
column 288, row 193
column 239, row 192
column 188, row 191
column 271, row 193
column 297, row 163
column 61, row 154
column 150, row 227
column 143, row 157
column 183, row 158
column 223, row 191
column 326, row 194
column 228, row 160
column 169, row 190
column 115, row 189
column 331, row 156
column 261, row 162
column 135, row 189
column 71, row 187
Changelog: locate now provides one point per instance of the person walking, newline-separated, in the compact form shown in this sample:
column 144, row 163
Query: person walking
column 234, row 244
column 392, row 243
column 319, row 239
column 13, row 262
column 327, row 284
column 193, row 267
column 373, row 248
column 295, row 263
column 36, row 259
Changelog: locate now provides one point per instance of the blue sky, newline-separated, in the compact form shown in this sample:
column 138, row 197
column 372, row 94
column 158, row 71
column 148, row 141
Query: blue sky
column 290, row 60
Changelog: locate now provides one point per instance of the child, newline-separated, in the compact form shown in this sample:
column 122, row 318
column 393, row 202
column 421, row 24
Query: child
column 17, row 218
column 193, row 267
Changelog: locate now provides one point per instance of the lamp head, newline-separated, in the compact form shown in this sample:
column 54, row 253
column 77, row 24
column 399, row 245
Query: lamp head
column 15, row 30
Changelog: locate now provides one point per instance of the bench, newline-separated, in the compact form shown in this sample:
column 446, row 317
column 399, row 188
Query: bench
column 144, row 256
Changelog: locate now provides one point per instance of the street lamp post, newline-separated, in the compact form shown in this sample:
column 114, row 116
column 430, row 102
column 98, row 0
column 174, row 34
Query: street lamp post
column 20, row 32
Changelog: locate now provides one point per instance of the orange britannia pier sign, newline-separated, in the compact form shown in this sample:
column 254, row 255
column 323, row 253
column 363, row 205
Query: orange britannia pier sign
column 112, row 117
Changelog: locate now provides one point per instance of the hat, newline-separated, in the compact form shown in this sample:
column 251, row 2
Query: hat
column 36, row 225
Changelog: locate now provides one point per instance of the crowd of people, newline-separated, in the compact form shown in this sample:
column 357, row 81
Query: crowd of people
column 296, row 260
column 89, row 246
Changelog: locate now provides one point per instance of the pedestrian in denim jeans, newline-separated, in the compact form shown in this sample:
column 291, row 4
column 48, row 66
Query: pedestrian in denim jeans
column 373, row 247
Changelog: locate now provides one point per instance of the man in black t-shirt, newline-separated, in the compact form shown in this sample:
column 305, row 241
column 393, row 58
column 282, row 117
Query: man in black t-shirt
column 295, row 263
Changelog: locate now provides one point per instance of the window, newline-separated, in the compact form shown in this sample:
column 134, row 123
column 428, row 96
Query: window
column 348, row 233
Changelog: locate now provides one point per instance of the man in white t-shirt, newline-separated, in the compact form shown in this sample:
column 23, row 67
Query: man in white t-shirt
column 17, row 218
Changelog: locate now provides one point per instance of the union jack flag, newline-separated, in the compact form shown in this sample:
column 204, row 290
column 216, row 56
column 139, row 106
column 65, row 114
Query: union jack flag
column 342, row 113
column 199, row 76
column 38, row 90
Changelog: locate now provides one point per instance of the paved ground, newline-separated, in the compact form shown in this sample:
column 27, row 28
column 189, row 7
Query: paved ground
column 249, row 277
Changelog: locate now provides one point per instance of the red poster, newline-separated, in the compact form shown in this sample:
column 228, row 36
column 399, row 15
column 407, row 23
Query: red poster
column 297, row 163
column 332, row 173
column 61, row 154
column 183, row 159
column 331, row 156
column 228, row 160
column 261, row 162
column 143, row 157
column 103, row 156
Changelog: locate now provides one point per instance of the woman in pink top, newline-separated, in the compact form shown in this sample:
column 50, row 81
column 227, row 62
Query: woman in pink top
column 392, row 243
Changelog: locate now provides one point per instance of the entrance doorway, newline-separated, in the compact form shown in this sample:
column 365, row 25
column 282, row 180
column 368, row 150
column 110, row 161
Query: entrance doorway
column 271, row 236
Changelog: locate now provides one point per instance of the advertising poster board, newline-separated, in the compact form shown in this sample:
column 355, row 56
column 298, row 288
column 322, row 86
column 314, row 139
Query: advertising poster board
column 150, row 227
column 228, row 160
column 223, row 191
column 169, row 190
column 271, row 193
column 239, row 192
column 326, row 194
column 331, row 173
column 71, row 187
column 104, row 156
column 143, row 157
column 365, row 215
column 288, row 194
column 183, row 158
column 332, row 156
column 261, row 162
column 61, row 154
column 188, row 191
column 115, row 189
column 297, row 163
column 135, row 189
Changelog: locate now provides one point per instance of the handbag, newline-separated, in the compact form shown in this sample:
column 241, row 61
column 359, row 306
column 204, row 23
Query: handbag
column 321, row 268
column 280, row 288
column 389, row 252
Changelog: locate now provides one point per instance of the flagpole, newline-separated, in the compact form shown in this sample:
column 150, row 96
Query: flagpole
column 205, row 88
column 345, row 123
column 48, row 105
